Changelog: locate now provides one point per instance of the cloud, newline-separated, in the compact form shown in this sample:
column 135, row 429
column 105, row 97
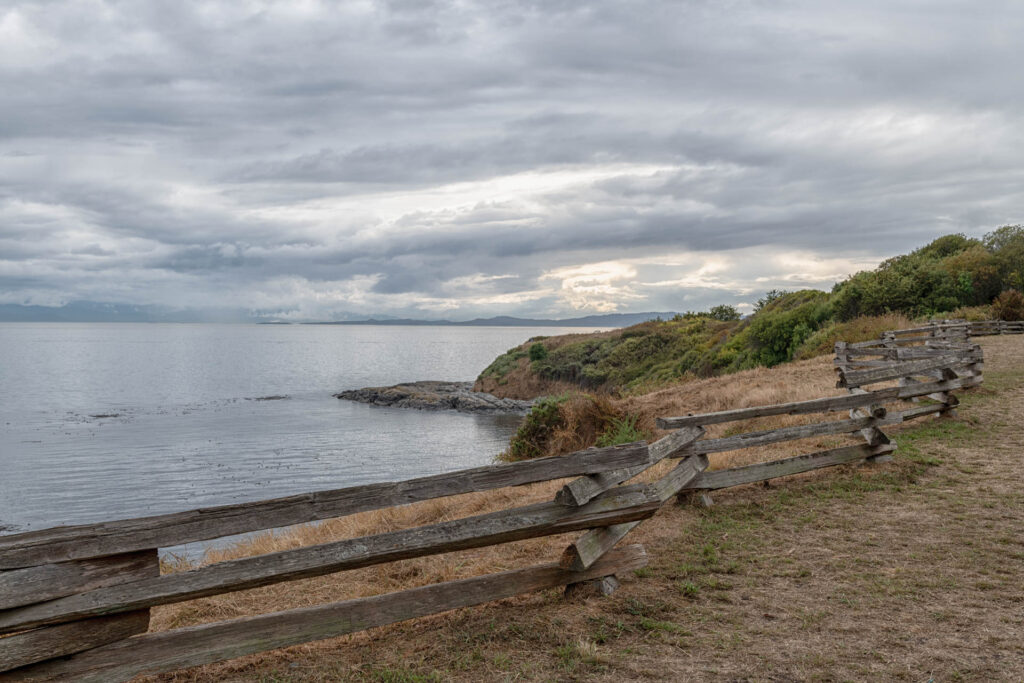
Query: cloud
column 483, row 158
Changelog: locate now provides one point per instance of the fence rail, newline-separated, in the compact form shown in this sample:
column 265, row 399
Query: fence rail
column 74, row 601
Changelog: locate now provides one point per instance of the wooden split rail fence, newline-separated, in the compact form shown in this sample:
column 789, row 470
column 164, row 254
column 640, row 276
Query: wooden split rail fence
column 989, row 327
column 75, row 600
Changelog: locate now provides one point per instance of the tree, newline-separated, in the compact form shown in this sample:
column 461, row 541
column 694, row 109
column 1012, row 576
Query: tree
column 724, row 312
column 1007, row 247
column 769, row 297
column 1009, row 305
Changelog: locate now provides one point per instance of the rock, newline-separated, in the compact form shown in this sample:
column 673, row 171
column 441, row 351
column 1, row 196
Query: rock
column 432, row 395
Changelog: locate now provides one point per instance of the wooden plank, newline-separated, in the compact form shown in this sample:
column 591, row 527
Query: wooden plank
column 873, row 436
column 943, row 395
column 942, row 327
column 926, row 338
column 584, row 489
column 863, row 364
column 197, row 645
column 770, row 436
column 860, row 363
column 35, row 584
column 873, row 351
column 917, row 352
column 923, row 411
column 593, row 544
column 858, row 378
column 817, row 405
column 749, row 474
column 681, row 475
column 867, row 344
column 624, row 504
column 121, row 536
column 29, row 647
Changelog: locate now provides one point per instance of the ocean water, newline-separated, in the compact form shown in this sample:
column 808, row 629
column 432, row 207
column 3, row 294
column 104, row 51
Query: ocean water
column 107, row 421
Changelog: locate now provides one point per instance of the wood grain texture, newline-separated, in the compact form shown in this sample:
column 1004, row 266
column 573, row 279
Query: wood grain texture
column 770, row 436
column 109, row 538
column 197, row 645
column 30, row 647
column 856, row 378
column 924, row 411
column 36, row 584
column 579, row 491
column 586, row 550
column 591, row 546
column 958, row 328
column 624, row 504
column 720, row 479
column 816, row 405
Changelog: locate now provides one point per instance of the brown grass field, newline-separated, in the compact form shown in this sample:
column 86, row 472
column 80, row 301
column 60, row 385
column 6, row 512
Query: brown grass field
column 911, row 570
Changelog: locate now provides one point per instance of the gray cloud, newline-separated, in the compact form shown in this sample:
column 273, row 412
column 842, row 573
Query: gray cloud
column 486, row 158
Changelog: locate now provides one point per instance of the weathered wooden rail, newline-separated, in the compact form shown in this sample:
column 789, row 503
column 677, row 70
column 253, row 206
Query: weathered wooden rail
column 988, row 327
column 75, row 601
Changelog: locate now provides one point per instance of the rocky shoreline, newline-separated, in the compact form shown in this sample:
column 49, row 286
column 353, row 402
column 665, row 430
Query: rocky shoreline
column 434, row 395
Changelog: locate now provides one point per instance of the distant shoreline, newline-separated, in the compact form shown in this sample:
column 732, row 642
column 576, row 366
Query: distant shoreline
column 91, row 312
column 609, row 320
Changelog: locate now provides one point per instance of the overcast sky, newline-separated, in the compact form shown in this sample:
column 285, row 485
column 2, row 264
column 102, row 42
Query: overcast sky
column 456, row 159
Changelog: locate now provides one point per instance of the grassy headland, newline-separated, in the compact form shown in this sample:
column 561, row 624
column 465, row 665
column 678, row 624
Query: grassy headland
column 595, row 380
column 953, row 276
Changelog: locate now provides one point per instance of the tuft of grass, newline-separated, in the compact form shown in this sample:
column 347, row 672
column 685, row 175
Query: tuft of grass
column 622, row 430
column 688, row 588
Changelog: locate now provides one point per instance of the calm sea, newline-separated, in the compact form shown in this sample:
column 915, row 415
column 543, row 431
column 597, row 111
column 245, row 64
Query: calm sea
column 105, row 421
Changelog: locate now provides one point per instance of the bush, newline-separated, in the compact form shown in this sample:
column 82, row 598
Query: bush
column 532, row 437
column 538, row 352
column 622, row 430
column 724, row 312
column 769, row 297
column 1009, row 305
column 570, row 422
column 504, row 364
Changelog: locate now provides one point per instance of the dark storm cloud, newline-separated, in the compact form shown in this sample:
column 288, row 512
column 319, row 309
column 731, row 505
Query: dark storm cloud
column 479, row 158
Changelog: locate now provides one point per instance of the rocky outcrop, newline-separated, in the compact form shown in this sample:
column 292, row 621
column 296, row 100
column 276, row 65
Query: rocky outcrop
column 437, row 396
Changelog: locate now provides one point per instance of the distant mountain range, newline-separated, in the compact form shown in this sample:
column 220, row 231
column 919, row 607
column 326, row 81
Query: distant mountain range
column 93, row 311
column 99, row 312
column 606, row 320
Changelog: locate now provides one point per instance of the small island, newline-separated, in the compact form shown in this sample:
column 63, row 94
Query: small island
column 436, row 395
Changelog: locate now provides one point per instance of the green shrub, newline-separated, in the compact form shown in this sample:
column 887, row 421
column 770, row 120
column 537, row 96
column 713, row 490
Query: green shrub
column 539, row 425
column 769, row 297
column 505, row 363
column 538, row 352
column 622, row 430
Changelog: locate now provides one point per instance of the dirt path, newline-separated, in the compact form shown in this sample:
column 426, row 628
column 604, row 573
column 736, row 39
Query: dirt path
column 912, row 571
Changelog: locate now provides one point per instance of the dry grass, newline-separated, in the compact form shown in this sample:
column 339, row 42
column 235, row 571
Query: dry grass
column 859, row 329
column 363, row 582
column 906, row 571
column 586, row 417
